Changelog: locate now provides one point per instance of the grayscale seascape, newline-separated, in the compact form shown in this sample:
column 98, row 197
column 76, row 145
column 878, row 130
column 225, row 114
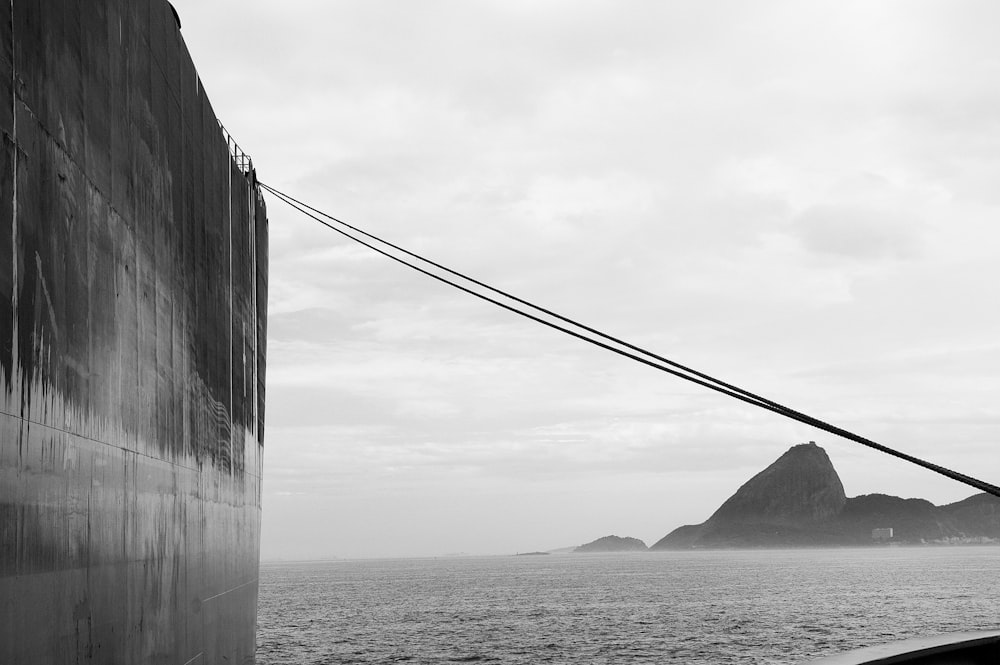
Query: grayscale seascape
column 762, row 606
column 343, row 286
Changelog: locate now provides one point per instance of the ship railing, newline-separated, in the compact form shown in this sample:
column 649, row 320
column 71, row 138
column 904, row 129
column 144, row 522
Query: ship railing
column 240, row 158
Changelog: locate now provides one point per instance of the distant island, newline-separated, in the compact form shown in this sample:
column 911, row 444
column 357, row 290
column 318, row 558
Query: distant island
column 613, row 544
column 532, row 554
column 799, row 501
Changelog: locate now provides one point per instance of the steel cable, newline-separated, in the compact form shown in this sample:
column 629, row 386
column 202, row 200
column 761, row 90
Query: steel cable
column 643, row 356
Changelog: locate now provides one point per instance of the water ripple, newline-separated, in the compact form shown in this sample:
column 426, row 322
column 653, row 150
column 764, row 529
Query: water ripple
column 772, row 608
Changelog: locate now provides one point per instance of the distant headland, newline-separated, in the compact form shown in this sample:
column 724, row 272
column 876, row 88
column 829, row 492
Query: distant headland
column 799, row 501
column 612, row 544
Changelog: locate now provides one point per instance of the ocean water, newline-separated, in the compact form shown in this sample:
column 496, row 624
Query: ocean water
column 693, row 607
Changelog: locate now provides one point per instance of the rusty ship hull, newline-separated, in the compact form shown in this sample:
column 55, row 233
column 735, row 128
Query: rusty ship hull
column 133, row 291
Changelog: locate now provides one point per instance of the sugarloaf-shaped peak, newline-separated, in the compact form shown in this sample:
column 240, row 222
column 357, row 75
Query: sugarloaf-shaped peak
column 798, row 501
column 800, row 487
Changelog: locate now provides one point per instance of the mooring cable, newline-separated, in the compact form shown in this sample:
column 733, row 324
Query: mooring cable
column 644, row 356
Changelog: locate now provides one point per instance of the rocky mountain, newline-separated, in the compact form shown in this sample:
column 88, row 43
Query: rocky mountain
column 799, row 501
column 979, row 513
column 800, row 487
column 613, row 544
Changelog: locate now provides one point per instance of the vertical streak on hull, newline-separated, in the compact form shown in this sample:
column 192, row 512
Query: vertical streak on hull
column 133, row 295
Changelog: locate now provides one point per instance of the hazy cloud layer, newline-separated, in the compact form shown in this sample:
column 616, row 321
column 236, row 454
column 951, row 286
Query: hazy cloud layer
column 799, row 197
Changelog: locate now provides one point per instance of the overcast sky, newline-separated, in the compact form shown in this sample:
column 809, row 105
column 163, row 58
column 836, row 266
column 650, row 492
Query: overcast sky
column 799, row 197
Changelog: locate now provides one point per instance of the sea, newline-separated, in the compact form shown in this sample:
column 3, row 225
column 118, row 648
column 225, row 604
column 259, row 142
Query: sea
column 760, row 606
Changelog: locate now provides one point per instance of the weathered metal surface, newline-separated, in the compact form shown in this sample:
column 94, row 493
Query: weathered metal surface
column 133, row 286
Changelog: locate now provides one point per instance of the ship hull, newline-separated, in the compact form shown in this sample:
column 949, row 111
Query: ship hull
column 133, row 289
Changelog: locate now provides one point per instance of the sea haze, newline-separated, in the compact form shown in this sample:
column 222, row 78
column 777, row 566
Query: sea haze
column 772, row 607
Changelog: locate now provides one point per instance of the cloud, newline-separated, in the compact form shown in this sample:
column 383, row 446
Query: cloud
column 858, row 233
column 756, row 190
